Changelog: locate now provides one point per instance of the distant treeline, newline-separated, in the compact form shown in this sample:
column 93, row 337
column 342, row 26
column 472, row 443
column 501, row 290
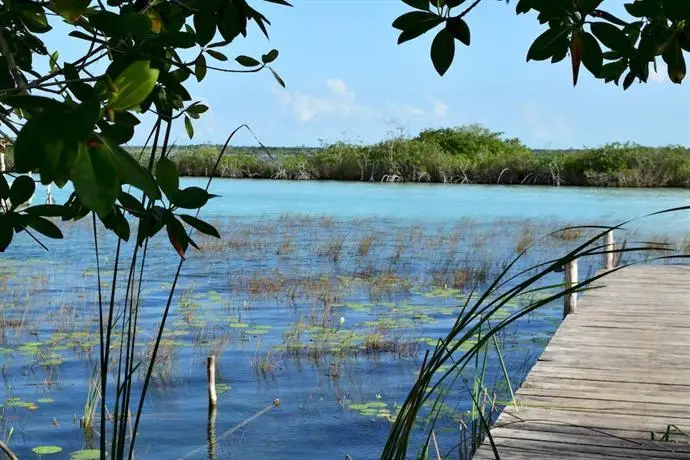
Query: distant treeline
column 469, row 154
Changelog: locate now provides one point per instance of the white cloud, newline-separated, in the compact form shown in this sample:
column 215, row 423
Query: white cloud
column 336, row 85
column 546, row 126
column 440, row 109
column 437, row 109
column 406, row 111
column 340, row 103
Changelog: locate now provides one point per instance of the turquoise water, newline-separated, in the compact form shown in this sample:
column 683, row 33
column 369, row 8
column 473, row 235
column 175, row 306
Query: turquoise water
column 439, row 202
column 292, row 258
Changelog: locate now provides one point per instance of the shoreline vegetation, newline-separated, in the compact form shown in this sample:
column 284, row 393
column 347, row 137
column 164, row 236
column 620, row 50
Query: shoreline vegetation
column 469, row 154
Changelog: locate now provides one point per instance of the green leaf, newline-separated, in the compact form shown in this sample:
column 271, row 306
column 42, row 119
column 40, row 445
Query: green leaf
column 246, row 61
column 95, row 179
column 6, row 232
column 269, row 57
column 200, row 225
column 33, row 17
column 205, row 25
column 612, row 71
column 21, row 191
column 592, row 56
column 612, row 37
column 130, row 203
column 197, row 109
column 46, row 450
column 131, row 172
column 277, row 77
column 217, row 55
column 442, row 51
column 416, row 20
column 152, row 223
column 178, row 236
column 189, row 127
column 53, row 63
column 167, row 177
column 4, row 187
column 418, row 4
column 46, row 210
column 200, row 67
column 43, row 226
column 117, row 223
column 71, row 10
column 133, row 85
column 547, row 44
column 191, row 198
column 459, row 29
column 675, row 62
column 636, row 9
column 628, row 80
column 88, row 454
column 38, row 105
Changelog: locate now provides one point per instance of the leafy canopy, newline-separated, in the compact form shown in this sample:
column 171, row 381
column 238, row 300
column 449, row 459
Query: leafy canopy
column 69, row 120
column 612, row 48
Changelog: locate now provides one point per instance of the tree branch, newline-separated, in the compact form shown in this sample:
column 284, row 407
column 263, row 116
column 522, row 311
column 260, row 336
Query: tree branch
column 9, row 124
column 7, row 451
column 9, row 57
column 470, row 8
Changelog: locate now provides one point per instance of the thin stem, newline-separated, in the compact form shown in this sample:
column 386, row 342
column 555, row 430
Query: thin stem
column 9, row 123
column 102, row 339
column 104, row 371
column 11, row 64
column 470, row 8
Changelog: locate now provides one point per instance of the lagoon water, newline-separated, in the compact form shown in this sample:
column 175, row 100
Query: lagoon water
column 235, row 299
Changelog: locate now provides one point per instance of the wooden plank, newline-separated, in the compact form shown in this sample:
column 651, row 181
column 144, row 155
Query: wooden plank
column 616, row 370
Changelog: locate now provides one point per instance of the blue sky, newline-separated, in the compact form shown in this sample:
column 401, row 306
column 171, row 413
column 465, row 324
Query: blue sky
column 347, row 79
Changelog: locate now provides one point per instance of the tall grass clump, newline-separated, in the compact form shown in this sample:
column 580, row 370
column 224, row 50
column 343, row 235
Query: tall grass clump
column 476, row 328
column 466, row 154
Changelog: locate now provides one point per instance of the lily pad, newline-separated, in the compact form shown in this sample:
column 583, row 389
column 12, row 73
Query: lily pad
column 46, row 450
column 86, row 454
column 223, row 388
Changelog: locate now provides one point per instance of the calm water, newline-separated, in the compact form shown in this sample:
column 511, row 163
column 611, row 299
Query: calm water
column 291, row 262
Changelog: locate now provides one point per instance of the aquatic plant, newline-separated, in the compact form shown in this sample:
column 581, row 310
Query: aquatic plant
column 449, row 358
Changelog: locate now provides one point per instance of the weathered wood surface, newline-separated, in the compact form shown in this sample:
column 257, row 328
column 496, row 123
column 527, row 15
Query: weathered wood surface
column 615, row 371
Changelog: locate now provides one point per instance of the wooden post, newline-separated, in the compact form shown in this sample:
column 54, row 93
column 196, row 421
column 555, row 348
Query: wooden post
column 609, row 246
column 570, row 301
column 211, row 433
column 211, row 368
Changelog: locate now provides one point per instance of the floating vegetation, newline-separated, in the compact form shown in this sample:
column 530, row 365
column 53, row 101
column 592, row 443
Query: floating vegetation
column 17, row 402
column 86, row 454
column 46, row 450
column 374, row 409
column 222, row 388
column 331, row 298
column 258, row 330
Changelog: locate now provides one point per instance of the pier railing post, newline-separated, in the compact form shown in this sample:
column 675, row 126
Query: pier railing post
column 570, row 300
column 609, row 247
column 211, row 368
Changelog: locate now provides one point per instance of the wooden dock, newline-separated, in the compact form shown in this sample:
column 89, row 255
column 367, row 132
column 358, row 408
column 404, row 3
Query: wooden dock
column 616, row 371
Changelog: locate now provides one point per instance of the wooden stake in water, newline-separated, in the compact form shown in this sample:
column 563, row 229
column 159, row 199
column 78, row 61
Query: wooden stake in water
column 211, row 368
column 570, row 301
column 609, row 246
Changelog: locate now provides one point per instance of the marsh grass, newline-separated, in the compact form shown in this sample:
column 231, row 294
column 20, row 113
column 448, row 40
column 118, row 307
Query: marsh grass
column 479, row 320
column 387, row 307
column 467, row 154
